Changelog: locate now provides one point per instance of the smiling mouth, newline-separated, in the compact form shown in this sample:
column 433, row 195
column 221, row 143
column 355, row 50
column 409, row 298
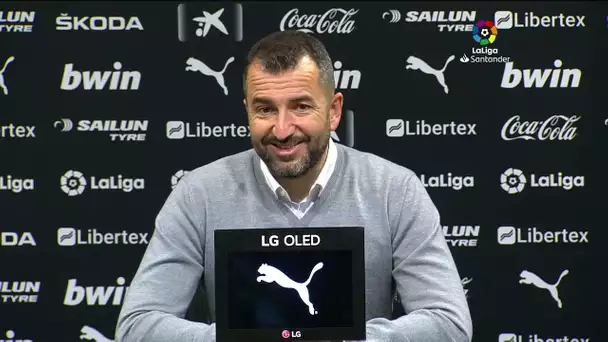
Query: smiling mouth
column 286, row 146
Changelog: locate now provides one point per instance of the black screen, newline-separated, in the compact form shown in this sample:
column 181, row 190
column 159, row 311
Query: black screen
column 264, row 305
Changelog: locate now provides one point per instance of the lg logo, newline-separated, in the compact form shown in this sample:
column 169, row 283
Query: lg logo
column 288, row 334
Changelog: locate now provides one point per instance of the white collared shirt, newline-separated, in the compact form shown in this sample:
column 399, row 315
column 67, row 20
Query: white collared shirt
column 300, row 209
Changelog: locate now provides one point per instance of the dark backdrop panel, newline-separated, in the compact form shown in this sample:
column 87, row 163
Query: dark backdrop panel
column 509, row 278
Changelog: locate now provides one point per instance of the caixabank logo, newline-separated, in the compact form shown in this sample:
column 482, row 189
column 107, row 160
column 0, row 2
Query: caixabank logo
column 75, row 183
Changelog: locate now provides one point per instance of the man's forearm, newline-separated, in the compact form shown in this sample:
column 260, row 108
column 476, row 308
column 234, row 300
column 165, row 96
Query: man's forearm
column 167, row 279
column 154, row 326
column 426, row 277
column 418, row 326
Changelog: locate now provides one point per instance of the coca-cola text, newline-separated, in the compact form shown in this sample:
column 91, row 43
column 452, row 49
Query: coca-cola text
column 556, row 127
column 320, row 23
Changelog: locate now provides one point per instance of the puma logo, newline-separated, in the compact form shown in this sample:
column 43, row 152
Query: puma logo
column 272, row 274
column 416, row 63
column 2, row 84
column 531, row 278
column 92, row 334
column 196, row 65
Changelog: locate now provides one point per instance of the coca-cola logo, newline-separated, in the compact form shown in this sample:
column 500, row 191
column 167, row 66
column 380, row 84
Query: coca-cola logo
column 556, row 127
column 320, row 23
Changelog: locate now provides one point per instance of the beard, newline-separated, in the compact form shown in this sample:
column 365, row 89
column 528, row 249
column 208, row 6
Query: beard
column 292, row 166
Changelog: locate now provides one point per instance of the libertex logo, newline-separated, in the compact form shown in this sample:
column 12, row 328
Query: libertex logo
column 70, row 237
column 510, row 337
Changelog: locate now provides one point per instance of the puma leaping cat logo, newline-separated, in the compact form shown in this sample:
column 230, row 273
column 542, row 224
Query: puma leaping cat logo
column 2, row 84
column 92, row 334
column 531, row 278
column 416, row 63
column 196, row 65
column 270, row 274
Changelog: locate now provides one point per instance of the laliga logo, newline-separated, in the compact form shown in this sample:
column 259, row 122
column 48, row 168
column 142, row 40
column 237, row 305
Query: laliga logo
column 287, row 334
column 513, row 181
column 177, row 177
column 73, row 183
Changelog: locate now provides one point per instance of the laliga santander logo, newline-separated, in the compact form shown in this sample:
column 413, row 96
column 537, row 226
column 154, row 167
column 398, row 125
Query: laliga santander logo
column 287, row 334
column 484, row 32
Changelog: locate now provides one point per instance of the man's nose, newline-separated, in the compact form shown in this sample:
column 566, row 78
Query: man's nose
column 283, row 127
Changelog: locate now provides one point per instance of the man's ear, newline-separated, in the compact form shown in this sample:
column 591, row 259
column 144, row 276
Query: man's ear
column 335, row 111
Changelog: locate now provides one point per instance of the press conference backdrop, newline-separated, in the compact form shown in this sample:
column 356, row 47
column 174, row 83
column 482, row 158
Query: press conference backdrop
column 499, row 108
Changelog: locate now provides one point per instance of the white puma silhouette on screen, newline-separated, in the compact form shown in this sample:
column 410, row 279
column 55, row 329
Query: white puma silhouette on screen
column 196, row 65
column 416, row 63
column 92, row 334
column 270, row 274
column 531, row 278
column 2, row 84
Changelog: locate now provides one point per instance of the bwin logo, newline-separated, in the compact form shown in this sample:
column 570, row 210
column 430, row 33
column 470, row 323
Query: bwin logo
column 271, row 274
column 528, row 277
column 346, row 79
column 538, row 78
column 91, row 334
column 95, row 295
column 198, row 66
column 10, row 337
column 177, row 177
column 98, row 80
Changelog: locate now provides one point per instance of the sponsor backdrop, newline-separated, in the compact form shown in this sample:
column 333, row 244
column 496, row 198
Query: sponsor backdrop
column 498, row 107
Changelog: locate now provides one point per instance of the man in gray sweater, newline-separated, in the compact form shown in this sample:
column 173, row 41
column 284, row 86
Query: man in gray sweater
column 296, row 176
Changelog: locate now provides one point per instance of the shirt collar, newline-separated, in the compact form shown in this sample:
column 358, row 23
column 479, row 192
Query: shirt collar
column 322, row 179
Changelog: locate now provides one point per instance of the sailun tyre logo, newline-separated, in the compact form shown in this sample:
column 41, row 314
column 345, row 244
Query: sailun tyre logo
column 73, row 183
column 484, row 32
column 513, row 181
column 65, row 124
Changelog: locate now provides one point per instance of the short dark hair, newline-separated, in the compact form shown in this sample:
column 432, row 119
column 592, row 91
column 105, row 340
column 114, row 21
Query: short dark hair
column 282, row 51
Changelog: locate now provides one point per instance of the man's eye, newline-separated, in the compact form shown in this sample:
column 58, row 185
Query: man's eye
column 263, row 110
column 303, row 107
